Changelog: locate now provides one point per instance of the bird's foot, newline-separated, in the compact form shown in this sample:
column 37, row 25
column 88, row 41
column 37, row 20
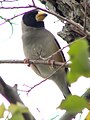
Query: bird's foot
column 52, row 62
column 27, row 61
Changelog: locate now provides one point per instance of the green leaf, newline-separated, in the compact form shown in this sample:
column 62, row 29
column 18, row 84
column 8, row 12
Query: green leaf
column 80, row 65
column 22, row 108
column 88, row 116
column 17, row 116
column 74, row 104
column 13, row 108
column 2, row 109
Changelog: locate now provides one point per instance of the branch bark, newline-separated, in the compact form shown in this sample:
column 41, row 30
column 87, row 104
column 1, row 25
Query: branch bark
column 68, row 26
column 10, row 93
column 74, row 11
column 53, row 63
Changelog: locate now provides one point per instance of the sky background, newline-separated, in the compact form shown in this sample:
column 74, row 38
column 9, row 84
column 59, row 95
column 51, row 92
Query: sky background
column 46, row 97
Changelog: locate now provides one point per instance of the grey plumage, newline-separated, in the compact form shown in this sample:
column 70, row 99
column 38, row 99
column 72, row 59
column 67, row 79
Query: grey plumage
column 39, row 42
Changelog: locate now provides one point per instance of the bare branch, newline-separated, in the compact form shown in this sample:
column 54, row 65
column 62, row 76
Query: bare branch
column 31, row 88
column 10, row 93
column 78, row 26
column 47, row 77
column 18, row 7
column 85, row 15
column 8, row 20
column 8, row 1
column 55, row 63
column 33, row 3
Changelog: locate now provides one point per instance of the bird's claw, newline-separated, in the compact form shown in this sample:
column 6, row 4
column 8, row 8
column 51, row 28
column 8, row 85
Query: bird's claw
column 52, row 63
column 26, row 61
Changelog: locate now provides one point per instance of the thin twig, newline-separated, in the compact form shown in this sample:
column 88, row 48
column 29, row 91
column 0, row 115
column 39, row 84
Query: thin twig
column 33, row 3
column 27, row 91
column 8, row 20
column 47, row 77
column 55, row 53
column 32, row 62
column 8, row 1
column 85, row 15
column 17, row 7
column 78, row 26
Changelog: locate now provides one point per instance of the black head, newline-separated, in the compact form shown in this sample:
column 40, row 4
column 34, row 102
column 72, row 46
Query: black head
column 29, row 19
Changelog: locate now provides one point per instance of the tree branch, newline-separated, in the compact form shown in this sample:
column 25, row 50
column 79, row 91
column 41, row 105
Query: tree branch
column 71, row 22
column 10, row 93
column 35, row 62
column 48, row 76
column 8, row 1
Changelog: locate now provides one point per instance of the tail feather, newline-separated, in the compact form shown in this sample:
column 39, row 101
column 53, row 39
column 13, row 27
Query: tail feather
column 60, row 80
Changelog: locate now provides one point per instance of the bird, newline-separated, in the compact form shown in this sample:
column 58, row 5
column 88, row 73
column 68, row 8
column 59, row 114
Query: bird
column 38, row 44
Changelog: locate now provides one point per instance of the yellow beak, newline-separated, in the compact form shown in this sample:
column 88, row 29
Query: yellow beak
column 41, row 16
